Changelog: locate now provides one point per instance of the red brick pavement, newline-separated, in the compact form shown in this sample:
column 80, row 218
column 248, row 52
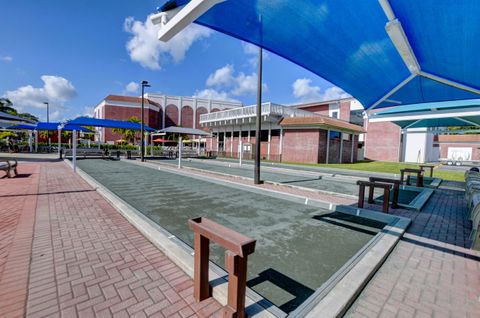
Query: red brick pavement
column 86, row 260
column 17, row 214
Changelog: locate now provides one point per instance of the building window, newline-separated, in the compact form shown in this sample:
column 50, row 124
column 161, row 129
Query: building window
column 335, row 114
column 334, row 134
column 244, row 133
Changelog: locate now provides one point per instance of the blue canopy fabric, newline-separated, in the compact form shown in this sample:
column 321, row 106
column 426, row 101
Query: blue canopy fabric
column 346, row 43
column 107, row 123
column 435, row 114
column 23, row 127
column 66, row 127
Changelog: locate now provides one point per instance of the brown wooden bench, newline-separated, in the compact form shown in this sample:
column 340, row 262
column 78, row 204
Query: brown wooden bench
column 425, row 167
column 407, row 172
column 9, row 166
column 372, row 185
column 396, row 189
column 238, row 247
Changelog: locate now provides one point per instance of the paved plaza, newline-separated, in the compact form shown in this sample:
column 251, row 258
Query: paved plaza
column 65, row 251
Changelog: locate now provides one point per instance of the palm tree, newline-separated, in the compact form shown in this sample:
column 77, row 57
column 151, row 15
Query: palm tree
column 128, row 134
column 6, row 106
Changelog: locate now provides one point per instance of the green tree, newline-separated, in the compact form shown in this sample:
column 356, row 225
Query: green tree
column 129, row 135
column 6, row 106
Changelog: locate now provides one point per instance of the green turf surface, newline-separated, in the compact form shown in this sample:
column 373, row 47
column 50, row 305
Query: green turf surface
column 299, row 247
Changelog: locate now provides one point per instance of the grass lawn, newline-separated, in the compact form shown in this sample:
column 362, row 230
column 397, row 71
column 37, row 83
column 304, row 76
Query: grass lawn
column 389, row 167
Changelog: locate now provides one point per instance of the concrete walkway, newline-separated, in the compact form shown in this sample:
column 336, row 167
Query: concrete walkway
column 64, row 251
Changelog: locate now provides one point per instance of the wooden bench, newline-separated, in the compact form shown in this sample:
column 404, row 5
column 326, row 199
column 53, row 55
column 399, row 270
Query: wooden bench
column 9, row 166
column 407, row 172
column 396, row 189
column 425, row 167
column 238, row 247
column 372, row 185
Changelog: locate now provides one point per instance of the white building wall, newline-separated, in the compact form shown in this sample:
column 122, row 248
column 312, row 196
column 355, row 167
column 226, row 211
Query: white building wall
column 416, row 142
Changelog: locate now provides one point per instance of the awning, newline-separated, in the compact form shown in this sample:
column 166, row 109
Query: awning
column 163, row 140
column 107, row 123
column 439, row 114
column 184, row 131
column 383, row 53
column 321, row 122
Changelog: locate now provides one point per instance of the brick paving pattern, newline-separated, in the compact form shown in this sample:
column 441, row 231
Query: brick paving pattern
column 431, row 272
column 86, row 259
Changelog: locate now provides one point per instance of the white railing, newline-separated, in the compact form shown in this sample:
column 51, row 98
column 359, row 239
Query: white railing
column 268, row 109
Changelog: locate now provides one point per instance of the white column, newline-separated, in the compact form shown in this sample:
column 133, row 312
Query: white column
column 180, row 146
column 231, row 143
column 240, row 152
column 353, row 148
column 341, row 148
column 164, row 110
column 218, row 140
column 145, row 142
column 280, row 152
column 210, row 106
column 248, row 136
column 328, row 145
column 180, row 111
column 30, row 141
column 269, row 140
column 74, row 151
column 59, row 142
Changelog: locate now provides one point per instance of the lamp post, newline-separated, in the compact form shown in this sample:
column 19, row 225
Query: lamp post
column 142, row 149
column 48, row 116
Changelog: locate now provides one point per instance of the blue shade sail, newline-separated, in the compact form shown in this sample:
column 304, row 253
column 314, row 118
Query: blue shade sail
column 345, row 42
column 107, row 123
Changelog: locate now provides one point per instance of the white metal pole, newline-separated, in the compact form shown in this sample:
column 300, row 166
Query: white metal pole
column 180, row 146
column 59, row 142
column 269, row 141
column 74, row 151
column 281, row 144
column 30, row 146
column 240, row 155
column 145, row 144
column 151, row 145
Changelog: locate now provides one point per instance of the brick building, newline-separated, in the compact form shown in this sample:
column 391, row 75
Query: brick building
column 160, row 111
column 310, row 133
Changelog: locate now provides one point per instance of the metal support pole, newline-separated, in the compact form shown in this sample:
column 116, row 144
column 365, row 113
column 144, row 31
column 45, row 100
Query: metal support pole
column 180, row 146
column 59, row 143
column 142, row 156
column 269, row 141
column 281, row 144
column 145, row 146
column 74, row 151
column 258, row 123
column 240, row 154
column 30, row 141
column 353, row 148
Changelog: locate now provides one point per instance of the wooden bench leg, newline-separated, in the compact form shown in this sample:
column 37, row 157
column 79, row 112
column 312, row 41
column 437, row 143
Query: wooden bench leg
column 386, row 199
column 201, row 288
column 396, row 192
column 371, row 191
column 361, row 195
column 237, row 285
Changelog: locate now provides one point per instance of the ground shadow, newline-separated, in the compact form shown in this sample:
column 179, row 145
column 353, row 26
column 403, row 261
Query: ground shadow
column 351, row 222
column 44, row 193
column 298, row 290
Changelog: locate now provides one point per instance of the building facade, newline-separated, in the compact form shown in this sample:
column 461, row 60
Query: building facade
column 309, row 133
column 160, row 111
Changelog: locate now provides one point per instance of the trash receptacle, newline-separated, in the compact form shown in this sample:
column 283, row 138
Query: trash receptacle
column 129, row 154
column 118, row 154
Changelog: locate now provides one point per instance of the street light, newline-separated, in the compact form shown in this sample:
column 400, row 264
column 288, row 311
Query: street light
column 144, row 84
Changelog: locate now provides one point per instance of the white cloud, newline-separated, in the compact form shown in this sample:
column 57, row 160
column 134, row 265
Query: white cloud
column 56, row 90
column 88, row 111
column 55, row 116
column 210, row 93
column 249, row 48
column 145, row 48
column 225, row 80
column 306, row 92
column 132, row 87
column 6, row 58
column 222, row 76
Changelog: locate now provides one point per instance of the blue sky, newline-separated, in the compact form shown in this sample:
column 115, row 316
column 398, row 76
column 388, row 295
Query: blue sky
column 74, row 53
